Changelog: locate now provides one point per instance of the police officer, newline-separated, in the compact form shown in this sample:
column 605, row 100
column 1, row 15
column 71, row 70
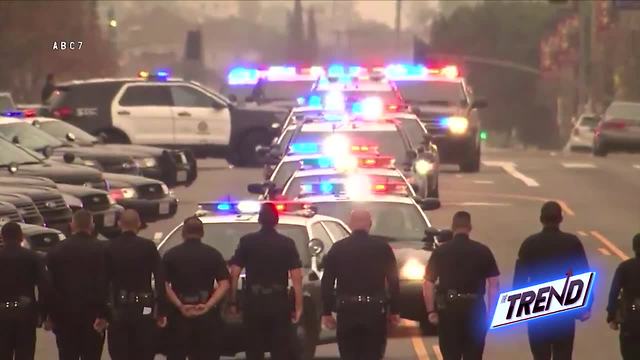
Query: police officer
column 465, row 270
column 623, row 311
column 270, row 259
column 132, row 261
column 364, row 272
column 550, row 255
column 196, row 280
column 79, row 276
column 21, row 270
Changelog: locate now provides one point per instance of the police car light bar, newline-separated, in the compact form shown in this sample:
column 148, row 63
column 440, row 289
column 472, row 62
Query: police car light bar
column 398, row 72
column 243, row 76
column 542, row 300
column 344, row 163
column 159, row 75
column 13, row 114
column 249, row 207
column 355, row 185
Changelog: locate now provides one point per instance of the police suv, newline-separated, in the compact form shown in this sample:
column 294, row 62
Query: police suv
column 225, row 223
column 157, row 110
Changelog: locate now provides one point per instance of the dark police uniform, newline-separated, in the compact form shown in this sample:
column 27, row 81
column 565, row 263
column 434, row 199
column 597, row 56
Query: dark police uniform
column 267, row 258
column 461, row 266
column 627, row 281
column 131, row 263
column 364, row 271
column 20, row 271
column 191, row 268
column 79, row 276
column 550, row 255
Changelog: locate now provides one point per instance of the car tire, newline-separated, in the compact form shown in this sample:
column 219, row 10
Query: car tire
column 114, row 136
column 428, row 328
column 599, row 149
column 471, row 165
column 247, row 148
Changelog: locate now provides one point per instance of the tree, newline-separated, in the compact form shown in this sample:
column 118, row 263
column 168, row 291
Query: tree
column 249, row 10
column 296, row 34
column 312, row 37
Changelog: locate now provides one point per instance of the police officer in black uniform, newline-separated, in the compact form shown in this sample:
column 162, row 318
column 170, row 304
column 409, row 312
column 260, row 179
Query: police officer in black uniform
column 79, row 276
column 363, row 271
column 551, row 255
column 465, row 269
column 270, row 259
column 132, row 261
column 21, row 270
column 623, row 311
column 196, row 280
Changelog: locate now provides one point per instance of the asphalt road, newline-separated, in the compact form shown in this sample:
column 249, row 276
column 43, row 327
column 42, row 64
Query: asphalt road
column 601, row 202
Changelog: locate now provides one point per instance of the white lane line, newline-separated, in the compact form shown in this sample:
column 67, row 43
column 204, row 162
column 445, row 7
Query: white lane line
column 483, row 181
column 582, row 233
column 477, row 204
column 419, row 348
column 436, row 350
column 604, row 251
column 609, row 245
column 579, row 165
column 157, row 236
column 510, row 168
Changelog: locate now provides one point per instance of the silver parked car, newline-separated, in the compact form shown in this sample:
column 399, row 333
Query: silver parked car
column 619, row 129
column 583, row 131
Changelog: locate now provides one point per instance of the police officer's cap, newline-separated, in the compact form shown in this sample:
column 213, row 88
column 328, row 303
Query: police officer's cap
column 268, row 215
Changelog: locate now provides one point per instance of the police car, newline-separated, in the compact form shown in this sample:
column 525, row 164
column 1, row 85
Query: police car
column 282, row 86
column 226, row 222
column 173, row 167
column 401, row 221
column 6, row 102
column 443, row 101
column 36, row 237
column 154, row 109
column 419, row 162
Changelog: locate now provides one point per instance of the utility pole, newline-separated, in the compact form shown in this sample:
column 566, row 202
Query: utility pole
column 584, row 63
column 398, row 23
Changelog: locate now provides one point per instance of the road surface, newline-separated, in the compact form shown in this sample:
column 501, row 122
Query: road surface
column 601, row 203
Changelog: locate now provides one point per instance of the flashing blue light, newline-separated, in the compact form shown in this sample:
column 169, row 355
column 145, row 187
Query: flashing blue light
column 356, row 108
column 162, row 73
column 300, row 100
column 223, row 207
column 16, row 114
column 405, row 70
column 240, row 75
column 306, row 188
column 326, row 188
column 334, row 117
column 335, row 70
column 315, row 101
column 325, row 162
column 354, row 70
column 305, row 148
column 443, row 122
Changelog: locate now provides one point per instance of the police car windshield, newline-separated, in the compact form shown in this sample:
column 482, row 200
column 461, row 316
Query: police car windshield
column 29, row 136
column 6, row 103
column 10, row 153
column 445, row 93
column 389, row 143
column 60, row 129
column 400, row 222
column 284, row 90
column 284, row 172
column 226, row 236
column 293, row 189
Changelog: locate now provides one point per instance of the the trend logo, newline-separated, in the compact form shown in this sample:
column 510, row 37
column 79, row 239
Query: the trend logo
column 543, row 299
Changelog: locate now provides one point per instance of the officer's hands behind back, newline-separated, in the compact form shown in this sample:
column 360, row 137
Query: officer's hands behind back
column 329, row 322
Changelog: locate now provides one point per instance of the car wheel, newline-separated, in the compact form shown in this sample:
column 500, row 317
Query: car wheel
column 247, row 148
column 428, row 328
column 599, row 149
column 471, row 165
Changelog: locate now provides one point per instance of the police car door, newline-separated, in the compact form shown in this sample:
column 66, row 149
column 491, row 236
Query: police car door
column 199, row 118
column 143, row 112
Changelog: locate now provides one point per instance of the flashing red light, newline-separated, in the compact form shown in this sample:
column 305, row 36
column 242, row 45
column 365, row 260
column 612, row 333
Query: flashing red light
column 364, row 148
column 390, row 188
column 450, row 71
column 116, row 194
column 377, row 162
column 290, row 206
column 280, row 207
column 29, row 113
column 613, row 125
column 63, row 112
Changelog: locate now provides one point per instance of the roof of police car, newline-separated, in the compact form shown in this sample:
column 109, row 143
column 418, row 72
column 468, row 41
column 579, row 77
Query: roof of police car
column 285, row 219
column 346, row 127
column 10, row 120
column 359, row 85
column 359, row 171
column 396, row 199
column 118, row 80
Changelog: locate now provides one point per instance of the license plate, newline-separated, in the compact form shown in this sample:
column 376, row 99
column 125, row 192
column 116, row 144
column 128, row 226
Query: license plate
column 164, row 207
column 109, row 219
column 181, row 176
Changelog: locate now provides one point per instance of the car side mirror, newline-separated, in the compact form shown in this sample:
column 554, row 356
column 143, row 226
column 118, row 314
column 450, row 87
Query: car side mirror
column 316, row 247
column 47, row 151
column 256, row 188
column 430, row 235
column 69, row 158
column 233, row 98
column 15, row 140
column 217, row 105
column 102, row 138
column 428, row 204
column 479, row 104
column 71, row 137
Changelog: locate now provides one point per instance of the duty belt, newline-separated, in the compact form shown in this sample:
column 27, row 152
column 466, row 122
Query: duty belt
column 452, row 296
column 267, row 290
column 130, row 298
column 192, row 299
column 20, row 303
column 361, row 299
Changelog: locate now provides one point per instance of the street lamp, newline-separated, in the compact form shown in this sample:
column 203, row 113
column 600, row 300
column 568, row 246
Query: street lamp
column 113, row 23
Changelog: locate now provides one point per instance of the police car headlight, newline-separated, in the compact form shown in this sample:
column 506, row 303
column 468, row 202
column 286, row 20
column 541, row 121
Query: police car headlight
column 25, row 244
column 423, row 167
column 412, row 270
column 165, row 189
column 61, row 236
column 111, row 200
column 147, row 162
column 123, row 193
column 457, row 124
column 90, row 163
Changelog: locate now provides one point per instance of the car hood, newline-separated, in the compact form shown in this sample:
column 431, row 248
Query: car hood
column 7, row 207
column 30, row 230
column 59, row 172
column 34, row 192
column 436, row 110
column 80, row 191
column 95, row 153
column 122, row 180
column 15, row 180
column 410, row 250
column 136, row 151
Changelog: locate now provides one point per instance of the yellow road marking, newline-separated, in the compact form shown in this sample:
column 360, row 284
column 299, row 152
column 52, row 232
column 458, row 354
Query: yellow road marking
column 614, row 249
column 604, row 251
column 419, row 348
column 436, row 350
column 582, row 233
column 565, row 207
